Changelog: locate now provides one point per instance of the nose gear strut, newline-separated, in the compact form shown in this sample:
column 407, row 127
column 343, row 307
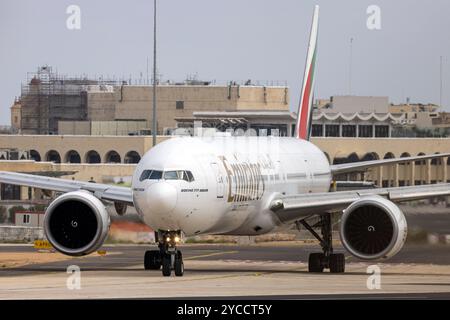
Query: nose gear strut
column 168, row 256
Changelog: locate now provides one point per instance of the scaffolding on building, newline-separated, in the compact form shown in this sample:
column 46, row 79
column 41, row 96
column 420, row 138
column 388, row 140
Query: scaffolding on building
column 48, row 97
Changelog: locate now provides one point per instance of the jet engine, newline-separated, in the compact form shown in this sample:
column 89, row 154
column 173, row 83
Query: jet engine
column 76, row 223
column 373, row 228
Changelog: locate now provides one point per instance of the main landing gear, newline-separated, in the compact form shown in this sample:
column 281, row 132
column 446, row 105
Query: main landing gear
column 168, row 257
column 326, row 259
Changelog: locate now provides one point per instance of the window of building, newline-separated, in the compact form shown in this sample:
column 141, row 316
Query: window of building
column 349, row 130
column 365, row 131
column 381, row 131
column 180, row 105
column 279, row 130
column 26, row 218
column 10, row 192
column 332, row 130
column 262, row 132
column 317, row 130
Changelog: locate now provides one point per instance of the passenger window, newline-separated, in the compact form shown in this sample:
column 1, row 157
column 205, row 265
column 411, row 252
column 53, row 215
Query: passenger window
column 156, row 175
column 171, row 175
column 145, row 175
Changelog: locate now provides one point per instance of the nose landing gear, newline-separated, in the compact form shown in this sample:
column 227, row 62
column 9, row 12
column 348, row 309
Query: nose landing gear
column 168, row 256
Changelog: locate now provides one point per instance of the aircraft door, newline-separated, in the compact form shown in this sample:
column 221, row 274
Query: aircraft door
column 309, row 176
column 220, row 187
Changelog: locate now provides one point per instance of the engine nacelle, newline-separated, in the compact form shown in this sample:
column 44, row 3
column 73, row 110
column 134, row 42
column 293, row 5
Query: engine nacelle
column 373, row 228
column 76, row 223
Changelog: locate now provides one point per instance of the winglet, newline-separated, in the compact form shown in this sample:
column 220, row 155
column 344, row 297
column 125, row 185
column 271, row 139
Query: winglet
column 304, row 113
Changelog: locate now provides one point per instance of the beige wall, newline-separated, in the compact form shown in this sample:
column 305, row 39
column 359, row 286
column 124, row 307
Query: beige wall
column 333, row 147
column 16, row 115
column 401, row 108
column 74, row 127
column 101, row 128
column 101, row 106
column 135, row 102
column 427, row 172
column 354, row 104
column 82, row 144
column 338, row 147
column 130, row 102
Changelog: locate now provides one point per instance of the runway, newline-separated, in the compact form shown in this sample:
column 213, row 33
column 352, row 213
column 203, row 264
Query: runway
column 276, row 271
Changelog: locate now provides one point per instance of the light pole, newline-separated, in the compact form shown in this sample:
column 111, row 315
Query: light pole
column 440, row 82
column 154, row 74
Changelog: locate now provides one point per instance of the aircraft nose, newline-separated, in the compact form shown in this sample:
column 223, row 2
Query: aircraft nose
column 161, row 197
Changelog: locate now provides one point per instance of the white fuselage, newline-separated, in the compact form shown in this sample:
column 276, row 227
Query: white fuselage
column 224, row 185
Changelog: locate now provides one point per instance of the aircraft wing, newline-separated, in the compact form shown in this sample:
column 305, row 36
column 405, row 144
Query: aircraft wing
column 363, row 165
column 295, row 207
column 101, row 191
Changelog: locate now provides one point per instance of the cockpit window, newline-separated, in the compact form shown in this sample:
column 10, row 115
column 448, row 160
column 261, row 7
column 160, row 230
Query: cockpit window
column 145, row 175
column 156, row 175
column 189, row 176
column 168, row 175
column 150, row 174
column 179, row 175
column 171, row 175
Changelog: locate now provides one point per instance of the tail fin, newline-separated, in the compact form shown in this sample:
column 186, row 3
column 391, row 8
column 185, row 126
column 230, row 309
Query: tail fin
column 304, row 114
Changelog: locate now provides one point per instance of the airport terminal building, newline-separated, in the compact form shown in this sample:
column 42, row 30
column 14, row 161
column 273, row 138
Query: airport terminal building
column 98, row 130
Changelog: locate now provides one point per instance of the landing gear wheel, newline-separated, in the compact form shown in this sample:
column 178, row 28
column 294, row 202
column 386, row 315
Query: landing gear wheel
column 337, row 263
column 315, row 262
column 166, row 265
column 179, row 266
column 152, row 260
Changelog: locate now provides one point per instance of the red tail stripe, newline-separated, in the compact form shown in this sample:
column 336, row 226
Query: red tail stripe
column 303, row 127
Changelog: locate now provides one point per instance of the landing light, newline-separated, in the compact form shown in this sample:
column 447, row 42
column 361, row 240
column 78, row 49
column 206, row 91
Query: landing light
column 177, row 239
column 168, row 239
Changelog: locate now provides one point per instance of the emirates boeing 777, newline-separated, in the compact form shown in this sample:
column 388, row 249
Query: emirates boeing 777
column 247, row 185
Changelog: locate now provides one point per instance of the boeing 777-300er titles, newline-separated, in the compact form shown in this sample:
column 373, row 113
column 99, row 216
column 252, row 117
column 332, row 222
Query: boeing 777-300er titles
column 189, row 186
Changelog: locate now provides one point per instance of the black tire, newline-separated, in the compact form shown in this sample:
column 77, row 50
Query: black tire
column 179, row 266
column 337, row 263
column 315, row 262
column 166, row 265
column 152, row 260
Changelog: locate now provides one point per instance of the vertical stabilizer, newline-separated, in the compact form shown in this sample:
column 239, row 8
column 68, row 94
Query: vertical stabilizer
column 304, row 114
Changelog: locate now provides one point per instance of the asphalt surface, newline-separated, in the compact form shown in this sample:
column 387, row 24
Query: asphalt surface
column 231, row 272
column 131, row 255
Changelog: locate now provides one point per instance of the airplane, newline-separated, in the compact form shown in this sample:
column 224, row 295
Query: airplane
column 237, row 185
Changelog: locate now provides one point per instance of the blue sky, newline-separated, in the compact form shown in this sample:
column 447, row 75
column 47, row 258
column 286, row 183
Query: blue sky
column 233, row 40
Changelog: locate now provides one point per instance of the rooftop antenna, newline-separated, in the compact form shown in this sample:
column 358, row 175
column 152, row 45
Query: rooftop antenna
column 147, row 83
column 440, row 82
column 350, row 68
column 154, row 74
